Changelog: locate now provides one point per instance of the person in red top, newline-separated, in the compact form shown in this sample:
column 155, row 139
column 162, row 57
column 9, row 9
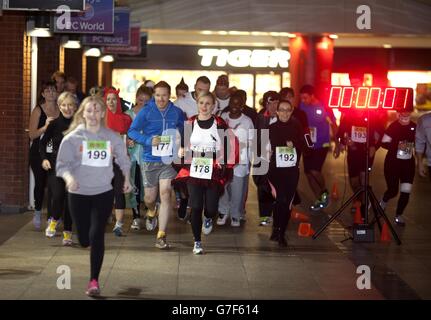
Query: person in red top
column 210, row 166
column 119, row 122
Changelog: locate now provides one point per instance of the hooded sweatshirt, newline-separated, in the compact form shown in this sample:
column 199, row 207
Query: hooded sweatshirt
column 151, row 122
column 118, row 121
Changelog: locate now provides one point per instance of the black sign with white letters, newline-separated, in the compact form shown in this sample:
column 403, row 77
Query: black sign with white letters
column 43, row 5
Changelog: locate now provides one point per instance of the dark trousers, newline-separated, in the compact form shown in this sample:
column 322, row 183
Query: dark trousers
column 40, row 178
column 118, row 183
column 264, row 195
column 201, row 196
column 90, row 214
column 285, row 182
column 397, row 172
column 57, row 200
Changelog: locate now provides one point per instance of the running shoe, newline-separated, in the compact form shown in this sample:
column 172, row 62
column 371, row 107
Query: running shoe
column 221, row 221
column 383, row 204
column 265, row 221
column 136, row 224
column 316, row 206
column 161, row 243
column 37, row 219
column 118, row 230
column 234, row 222
column 282, row 241
column 51, row 229
column 274, row 235
column 93, row 288
column 399, row 220
column 151, row 220
column 207, row 226
column 197, row 249
column 151, row 223
column 67, row 238
column 324, row 200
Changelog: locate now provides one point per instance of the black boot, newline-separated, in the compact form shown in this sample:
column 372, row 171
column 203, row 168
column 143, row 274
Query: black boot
column 282, row 241
column 275, row 234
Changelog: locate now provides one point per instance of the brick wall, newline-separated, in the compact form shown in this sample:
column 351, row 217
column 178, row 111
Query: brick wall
column 15, row 62
column 48, row 58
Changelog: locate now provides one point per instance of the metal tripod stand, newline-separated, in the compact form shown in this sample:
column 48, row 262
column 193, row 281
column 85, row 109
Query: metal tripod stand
column 369, row 198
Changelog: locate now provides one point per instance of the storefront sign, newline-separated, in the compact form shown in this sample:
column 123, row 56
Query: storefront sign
column 98, row 18
column 242, row 58
column 43, row 5
column 121, row 36
column 133, row 49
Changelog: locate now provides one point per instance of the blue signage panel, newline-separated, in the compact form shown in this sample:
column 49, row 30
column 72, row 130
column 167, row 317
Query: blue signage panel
column 121, row 36
column 98, row 18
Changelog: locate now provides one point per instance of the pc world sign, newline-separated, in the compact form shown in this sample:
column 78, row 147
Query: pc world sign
column 242, row 58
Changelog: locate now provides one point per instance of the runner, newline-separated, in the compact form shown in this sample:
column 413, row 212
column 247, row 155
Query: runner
column 287, row 143
column 48, row 148
column 85, row 162
column 399, row 140
column 156, row 127
column 210, row 169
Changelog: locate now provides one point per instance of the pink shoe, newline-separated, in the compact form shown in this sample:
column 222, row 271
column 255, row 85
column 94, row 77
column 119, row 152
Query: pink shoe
column 93, row 288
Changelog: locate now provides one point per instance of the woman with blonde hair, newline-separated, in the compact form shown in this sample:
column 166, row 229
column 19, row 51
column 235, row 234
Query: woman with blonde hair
column 48, row 149
column 85, row 162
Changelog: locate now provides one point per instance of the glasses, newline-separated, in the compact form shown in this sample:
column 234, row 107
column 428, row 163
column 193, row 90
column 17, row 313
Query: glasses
column 272, row 100
column 285, row 110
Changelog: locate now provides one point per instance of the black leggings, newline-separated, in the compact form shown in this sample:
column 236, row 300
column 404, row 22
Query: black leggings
column 90, row 214
column 199, row 195
column 138, row 190
column 57, row 200
column 264, row 195
column 396, row 172
column 118, row 183
column 40, row 178
column 285, row 182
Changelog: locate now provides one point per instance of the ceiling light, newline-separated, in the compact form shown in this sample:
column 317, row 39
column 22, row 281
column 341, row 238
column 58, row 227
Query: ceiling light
column 333, row 36
column 93, row 52
column 107, row 58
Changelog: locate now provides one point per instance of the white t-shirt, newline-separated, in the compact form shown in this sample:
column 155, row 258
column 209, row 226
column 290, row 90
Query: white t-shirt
column 190, row 107
column 241, row 127
column 187, row 104
column 222, row 104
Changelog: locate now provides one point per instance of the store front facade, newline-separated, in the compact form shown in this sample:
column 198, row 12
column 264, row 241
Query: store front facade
column 253, row 69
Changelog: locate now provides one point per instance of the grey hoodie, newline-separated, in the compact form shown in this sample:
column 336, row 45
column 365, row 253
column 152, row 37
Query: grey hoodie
column 423, row 136
column 91, row 180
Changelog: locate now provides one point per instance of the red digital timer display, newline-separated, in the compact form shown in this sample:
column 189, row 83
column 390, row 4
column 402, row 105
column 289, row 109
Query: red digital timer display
column 398, row 99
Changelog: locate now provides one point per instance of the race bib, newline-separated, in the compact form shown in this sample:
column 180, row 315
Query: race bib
column 285, row 157
column 49, row 146
column 359, row 134
column 201, row 168
column 164, row 148
column 405, row 150
column 96, row 153
column 313, row 134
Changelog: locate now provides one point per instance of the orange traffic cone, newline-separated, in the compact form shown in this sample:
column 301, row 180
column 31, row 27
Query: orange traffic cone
column 385, row 236
column 299, row 216
column 334, row 193
column 305, row 230
column 358, row 217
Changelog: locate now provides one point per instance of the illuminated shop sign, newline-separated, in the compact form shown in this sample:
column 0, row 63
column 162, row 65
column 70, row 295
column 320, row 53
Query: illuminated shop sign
column 241, row 58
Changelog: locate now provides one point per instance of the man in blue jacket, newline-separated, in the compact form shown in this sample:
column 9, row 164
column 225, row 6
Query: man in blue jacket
column 157, row 127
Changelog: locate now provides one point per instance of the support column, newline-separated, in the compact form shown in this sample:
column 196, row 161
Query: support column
column 311, row 63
